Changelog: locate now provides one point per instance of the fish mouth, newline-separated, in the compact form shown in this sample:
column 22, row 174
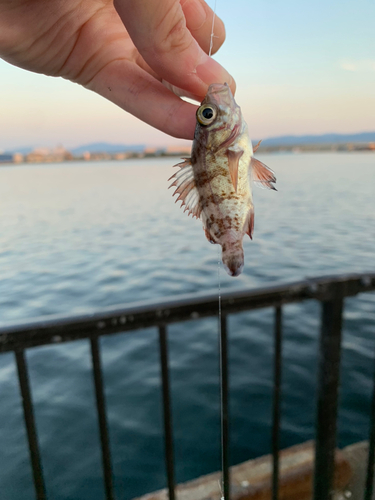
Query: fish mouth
column 216, row 88
column 233, row 261
column 220, row 94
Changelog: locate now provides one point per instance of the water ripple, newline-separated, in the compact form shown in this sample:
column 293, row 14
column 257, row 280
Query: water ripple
column 80, row 237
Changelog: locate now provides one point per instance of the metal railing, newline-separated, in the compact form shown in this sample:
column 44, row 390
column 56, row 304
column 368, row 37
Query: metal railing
column 330, row 291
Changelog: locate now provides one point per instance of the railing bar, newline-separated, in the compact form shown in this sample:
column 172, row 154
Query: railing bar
column 28, row 412
column 371, row 451
column 102, row 417
column 328, row 384
column 167, row 412
column 224, row 407
column 276, row 402
column 171, row 310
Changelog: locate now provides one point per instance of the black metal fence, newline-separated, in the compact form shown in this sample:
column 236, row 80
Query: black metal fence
column 330, row 291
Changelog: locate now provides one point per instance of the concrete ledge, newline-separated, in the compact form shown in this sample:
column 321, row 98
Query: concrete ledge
column 251, row 480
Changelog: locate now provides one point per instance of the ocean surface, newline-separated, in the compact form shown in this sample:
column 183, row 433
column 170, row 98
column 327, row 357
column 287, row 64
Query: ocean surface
column 79, row 237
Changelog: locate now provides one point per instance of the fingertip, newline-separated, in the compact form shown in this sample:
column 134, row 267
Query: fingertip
column 199, row 19
column 210, row 71
column 137, row 92
column 184, row 127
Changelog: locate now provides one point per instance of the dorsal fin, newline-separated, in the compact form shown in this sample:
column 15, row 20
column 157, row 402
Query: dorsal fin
column 234, row 156
column 186, row 188
column 262, row 175
column 257, row 146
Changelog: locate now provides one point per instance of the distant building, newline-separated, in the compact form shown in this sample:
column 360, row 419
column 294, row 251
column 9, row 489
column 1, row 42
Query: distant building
column 6, row 158
column 60, row 154
column 18, row 158
column 37, row 156
column 121, row 156
column 151, row 150
column 167, row 151
column 100, row 156
column 178, row 150
column 43, row 155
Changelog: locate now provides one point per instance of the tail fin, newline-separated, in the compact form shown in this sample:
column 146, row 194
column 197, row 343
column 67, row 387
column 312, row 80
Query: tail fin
column 233, row 260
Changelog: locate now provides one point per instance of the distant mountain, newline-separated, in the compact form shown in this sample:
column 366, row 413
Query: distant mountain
column 24, row 150
column 291, row 140
column 94, row 147
column 283, row 140
column 107, row 147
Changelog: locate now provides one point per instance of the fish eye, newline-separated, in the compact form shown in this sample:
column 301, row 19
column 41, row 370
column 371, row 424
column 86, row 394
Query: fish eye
column 206, row 114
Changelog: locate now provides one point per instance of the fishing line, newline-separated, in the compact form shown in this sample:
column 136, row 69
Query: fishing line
column 212, row 36
column 222, row 486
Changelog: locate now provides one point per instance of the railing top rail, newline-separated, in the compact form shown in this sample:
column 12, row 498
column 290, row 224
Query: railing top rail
column 129, row 317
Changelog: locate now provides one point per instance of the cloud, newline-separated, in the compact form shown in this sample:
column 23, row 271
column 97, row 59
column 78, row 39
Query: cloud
column 364, row 65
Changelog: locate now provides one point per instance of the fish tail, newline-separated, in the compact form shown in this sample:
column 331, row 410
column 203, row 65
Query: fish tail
column 233, row 259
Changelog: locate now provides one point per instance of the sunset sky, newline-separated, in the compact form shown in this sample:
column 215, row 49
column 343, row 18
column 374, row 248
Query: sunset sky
column 300, row 67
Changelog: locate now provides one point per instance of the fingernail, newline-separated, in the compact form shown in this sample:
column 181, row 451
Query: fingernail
column 210, row 71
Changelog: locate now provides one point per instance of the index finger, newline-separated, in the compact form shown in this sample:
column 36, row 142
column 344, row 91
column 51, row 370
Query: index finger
column 136, row 91
column 200, row 19
column 159, row 31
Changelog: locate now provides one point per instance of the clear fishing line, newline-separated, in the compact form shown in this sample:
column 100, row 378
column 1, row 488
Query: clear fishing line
column 221, row 485
column 212, row 30
column 221, row 371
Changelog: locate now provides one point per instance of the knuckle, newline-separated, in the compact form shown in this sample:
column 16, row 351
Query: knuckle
column 173, row 32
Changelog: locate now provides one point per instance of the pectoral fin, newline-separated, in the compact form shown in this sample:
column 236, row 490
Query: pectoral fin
column 233, row 163
column 257, row 146
column 262, row 175
column 185, row 187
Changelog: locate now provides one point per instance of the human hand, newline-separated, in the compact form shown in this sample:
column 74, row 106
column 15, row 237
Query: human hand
column 122, row 52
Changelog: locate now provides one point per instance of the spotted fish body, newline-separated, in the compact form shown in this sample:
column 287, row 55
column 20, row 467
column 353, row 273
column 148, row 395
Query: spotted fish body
column 214, row 184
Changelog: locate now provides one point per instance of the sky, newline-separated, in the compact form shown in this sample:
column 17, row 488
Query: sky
column 300, row 68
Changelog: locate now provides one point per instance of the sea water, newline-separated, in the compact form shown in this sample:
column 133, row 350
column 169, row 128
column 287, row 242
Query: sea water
column 78, row 237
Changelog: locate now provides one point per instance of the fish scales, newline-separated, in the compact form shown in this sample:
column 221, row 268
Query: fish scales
column 214, row 183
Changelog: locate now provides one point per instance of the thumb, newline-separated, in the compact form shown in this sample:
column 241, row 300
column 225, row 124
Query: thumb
column 158, row 30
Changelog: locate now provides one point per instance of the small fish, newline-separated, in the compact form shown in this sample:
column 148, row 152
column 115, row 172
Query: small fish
column 214, row 183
